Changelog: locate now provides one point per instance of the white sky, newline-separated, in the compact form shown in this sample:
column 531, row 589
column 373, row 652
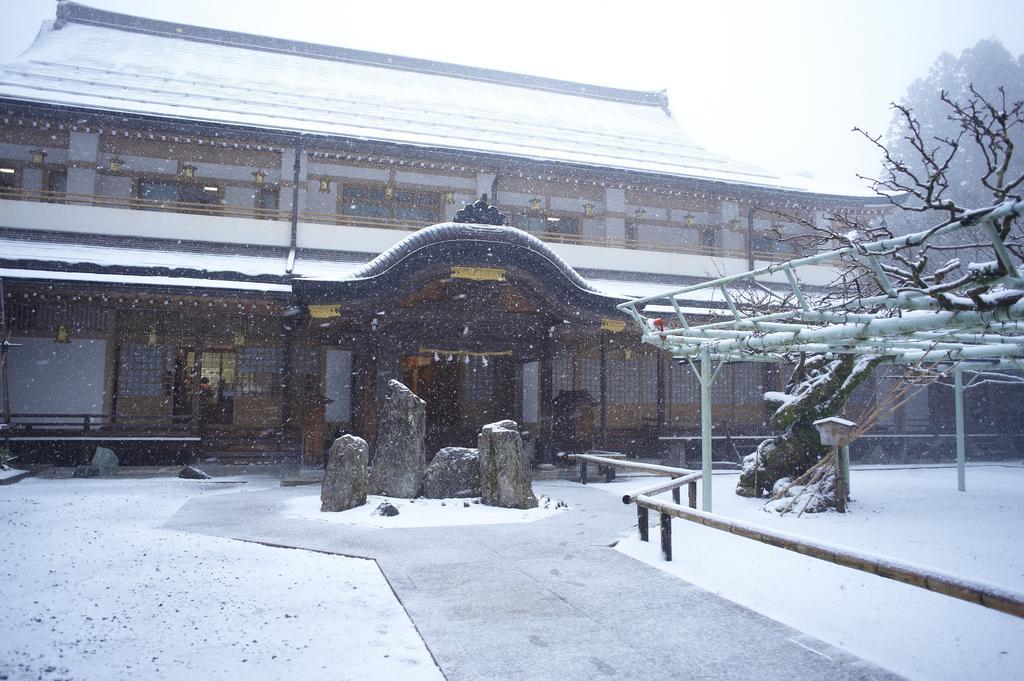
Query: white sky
column 778, row 83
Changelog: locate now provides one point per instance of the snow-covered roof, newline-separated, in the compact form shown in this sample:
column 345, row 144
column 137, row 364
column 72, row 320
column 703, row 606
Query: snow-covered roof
column 140, row 280
column 163, row 264
column 107, row 61
column 117, row 256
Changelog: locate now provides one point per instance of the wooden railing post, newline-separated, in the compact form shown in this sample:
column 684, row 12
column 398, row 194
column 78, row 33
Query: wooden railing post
column 692, row 494
column 641, row 521
column 583, row 471
column 666, row 536
column 840, row 487
column 675, row 494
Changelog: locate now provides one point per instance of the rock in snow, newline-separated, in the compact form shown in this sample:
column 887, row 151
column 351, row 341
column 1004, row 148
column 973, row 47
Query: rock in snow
column 345, row 484
column 193, row 473
column 504, row 473
column 104, row 462
column 454, row 472
column 386, row 509
column 400, row 457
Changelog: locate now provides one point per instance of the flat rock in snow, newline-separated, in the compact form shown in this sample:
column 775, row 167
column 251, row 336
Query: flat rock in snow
column 453, row 473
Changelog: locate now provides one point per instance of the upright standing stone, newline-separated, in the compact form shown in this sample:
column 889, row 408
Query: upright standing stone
column 401, row 456
column 344, row 484
column 104, row 462
column 504, row 472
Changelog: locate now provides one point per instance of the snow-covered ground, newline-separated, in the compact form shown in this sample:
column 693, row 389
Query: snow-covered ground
column 420, row 512
column 91, row 588
column 915, row 515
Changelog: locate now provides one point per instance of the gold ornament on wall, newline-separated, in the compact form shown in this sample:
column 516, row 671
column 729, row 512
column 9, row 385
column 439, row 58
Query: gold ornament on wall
column 63, row 334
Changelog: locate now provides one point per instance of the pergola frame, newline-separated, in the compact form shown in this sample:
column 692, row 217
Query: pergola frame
column 899, row 325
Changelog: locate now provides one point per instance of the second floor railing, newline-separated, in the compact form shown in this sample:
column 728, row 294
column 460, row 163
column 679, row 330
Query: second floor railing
column 275, row 214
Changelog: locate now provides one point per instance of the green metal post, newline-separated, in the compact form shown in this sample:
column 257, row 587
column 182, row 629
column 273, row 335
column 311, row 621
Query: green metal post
column 961, row 454
column 705, row 428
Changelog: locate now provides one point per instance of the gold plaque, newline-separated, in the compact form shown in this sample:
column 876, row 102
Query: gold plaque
column 613, row 325
column 479, row 273
column 324, row 311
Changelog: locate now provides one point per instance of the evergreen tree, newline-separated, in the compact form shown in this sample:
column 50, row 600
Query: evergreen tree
column 985, row 68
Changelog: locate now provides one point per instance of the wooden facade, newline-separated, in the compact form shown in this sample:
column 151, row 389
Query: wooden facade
column 294, row 267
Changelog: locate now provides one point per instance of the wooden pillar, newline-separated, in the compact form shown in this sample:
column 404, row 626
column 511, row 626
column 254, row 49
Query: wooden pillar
column 4, row 336
column 113, row 360
column 288, row 396
column 546, row 448
column 604, row 390
column 197, row 371
column 666, row 535
column 369, row 391
column 840, row 486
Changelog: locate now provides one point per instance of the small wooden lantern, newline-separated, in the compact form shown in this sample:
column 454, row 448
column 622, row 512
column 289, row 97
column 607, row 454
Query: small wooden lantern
column 834, row 431
column 838, row 433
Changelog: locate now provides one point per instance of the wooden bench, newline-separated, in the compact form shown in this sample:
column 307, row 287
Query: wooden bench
column 64, row 431
column 607, row 471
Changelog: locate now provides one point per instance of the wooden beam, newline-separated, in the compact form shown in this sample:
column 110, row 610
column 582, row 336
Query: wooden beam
column 979, row 593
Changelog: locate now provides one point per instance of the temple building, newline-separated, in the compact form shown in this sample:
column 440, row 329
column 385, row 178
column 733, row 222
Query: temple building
column 232, row 242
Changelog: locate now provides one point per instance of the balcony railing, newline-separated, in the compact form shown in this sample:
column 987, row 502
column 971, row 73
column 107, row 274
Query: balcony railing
column 224, row 210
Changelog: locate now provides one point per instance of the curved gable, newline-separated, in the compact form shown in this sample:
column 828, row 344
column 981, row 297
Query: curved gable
column 456, row 250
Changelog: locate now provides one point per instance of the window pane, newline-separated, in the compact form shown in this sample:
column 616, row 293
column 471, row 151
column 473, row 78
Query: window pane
column 562, row 226
column 158, row 191
column 196, row 193
column 709, row 237
column 478, row 382
column 58, row 181
column 529, row 223
column 259, row 371
column 363, row 202
column 562, row 374
column 590, row 378
column 417, row 206
column 267, row 199
column 623, row 381
column 649, row 379
column 141, row 371
column 685, row 388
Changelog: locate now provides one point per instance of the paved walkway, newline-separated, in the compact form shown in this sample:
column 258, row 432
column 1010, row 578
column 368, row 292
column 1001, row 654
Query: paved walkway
column 544, row 600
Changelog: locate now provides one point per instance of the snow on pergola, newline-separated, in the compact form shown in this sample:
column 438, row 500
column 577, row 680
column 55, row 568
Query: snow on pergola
column 898, row 325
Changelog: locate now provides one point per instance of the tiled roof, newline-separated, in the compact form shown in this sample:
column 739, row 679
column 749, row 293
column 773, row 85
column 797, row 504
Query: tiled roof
column 112, row 62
